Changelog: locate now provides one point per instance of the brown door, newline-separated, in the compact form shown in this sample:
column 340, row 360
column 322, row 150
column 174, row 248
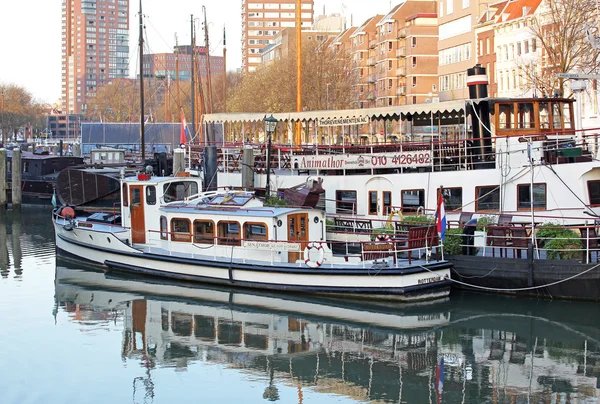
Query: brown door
column 136, row 207
column 297, row 232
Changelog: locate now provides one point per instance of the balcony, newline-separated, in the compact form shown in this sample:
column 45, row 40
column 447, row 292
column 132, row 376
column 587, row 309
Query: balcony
column 402, row 33
column 401, row 90
column 372, row 43
column 372, row 61
column 401, row 71
column 401, row 52
column 371, row 78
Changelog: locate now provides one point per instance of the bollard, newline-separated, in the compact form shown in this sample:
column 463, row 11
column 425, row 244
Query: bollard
column 3, row 198
column 16, row 179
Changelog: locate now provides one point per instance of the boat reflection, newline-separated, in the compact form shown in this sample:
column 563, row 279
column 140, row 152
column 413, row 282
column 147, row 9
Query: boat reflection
column 472, row 348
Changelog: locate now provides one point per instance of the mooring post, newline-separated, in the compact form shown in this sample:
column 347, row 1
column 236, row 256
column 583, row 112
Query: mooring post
column 16, row 179
column 3, row 197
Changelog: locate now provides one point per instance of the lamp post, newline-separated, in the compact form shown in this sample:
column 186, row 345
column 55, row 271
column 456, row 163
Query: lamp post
column 270, row 125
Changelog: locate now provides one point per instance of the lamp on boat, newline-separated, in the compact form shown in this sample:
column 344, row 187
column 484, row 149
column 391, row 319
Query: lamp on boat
column 270, row 126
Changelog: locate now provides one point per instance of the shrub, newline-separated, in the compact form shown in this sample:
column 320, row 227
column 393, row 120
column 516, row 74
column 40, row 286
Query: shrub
column 485, row 221
column 559, row 242
column 418, row 219
column 454, row 242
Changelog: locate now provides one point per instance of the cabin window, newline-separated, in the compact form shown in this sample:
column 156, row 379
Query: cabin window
column 487, row 198
column 345, row 202
column 255, row 231
column 178, row 191
column 163, row 228
column 452, row 198
column 567, row 115
column 136, row 197
column 557, row 116
column 544, row 116
column 180, row 230
column 229, row 233
column 524, row 196
column 204, row 231
column 412, row 200
column 26, row 166
column 594, row 192
column 505, row 116
column 387, row 202
column 151, row 195
column 125, row 196
column 525, row 115
column 372, row 202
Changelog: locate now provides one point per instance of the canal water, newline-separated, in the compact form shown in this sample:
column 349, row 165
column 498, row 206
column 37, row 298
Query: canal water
column 73, row 334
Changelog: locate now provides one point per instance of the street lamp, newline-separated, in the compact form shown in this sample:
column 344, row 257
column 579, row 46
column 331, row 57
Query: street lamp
column 270, row 126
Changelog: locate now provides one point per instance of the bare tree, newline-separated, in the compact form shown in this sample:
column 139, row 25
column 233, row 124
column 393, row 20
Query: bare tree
column 562, row 31
column 19, row 109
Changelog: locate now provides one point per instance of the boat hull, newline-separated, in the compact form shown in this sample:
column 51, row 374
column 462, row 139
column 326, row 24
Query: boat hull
column 111, row 250
column 555, row 279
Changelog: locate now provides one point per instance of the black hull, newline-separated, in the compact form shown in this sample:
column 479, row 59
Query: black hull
column 555, row 279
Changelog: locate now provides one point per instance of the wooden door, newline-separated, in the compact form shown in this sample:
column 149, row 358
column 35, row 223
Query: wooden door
column 297, row 232
column 136, row 207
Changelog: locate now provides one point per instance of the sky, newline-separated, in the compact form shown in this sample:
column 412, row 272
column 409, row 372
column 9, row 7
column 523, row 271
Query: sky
column 30, row 34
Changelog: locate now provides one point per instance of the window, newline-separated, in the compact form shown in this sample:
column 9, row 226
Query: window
column 151, row 195
column 204, row 231
column 414, row 41
column 345, row 202
column 525, row 115
column 414, row 81
column 412, row 200
column 414, row 61
column 505, row 116
column 373, row 202
column 229, row 233
column 180, row 230
column 594, row 192
column 487, row 198
column 163, row 228
column 125, row 196
column 255, row 231
column 524, row 196
column 387, row 202
column 452, row 198
column 178, row 191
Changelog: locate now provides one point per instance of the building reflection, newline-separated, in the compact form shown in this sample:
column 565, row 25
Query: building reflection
column 470, row 349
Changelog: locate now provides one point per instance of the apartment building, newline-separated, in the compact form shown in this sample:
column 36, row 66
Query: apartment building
column 263, row 19
column 95, row 48
column 166, row 65
column 456, row 46
column 364, row 42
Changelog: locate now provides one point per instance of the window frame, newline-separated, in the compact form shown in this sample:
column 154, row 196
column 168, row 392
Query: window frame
column 224, row 239
column 338, row 201
column 590, row 194
column 421, row 196
column 370, row 203
column 449, row 206
column 249, row 237
column 164, row 228
column 496, row 188
column 180, row 236
column 528, row 208
column 204, row 240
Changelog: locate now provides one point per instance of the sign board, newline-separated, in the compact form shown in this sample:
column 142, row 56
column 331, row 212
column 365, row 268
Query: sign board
column 271, row 245
column 363, row 161
column 536, row 138
column 578, row 76
column 355, row 120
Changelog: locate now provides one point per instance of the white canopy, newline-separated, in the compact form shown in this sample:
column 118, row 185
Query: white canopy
column 357, row 115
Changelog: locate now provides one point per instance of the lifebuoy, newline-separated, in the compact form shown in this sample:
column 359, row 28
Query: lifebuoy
column 314, row 255
column 67, row 212
column 383, row 237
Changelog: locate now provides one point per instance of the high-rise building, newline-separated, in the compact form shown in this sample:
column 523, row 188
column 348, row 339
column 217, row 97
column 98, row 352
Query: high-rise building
column 95, row 48
column 263, row 19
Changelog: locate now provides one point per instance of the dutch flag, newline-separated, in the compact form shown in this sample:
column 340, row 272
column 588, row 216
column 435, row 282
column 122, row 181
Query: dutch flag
column 440, row 217
column 184, row 133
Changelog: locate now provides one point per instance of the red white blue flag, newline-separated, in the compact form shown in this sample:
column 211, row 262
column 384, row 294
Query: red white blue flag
column 440, row 217
column 184, row 133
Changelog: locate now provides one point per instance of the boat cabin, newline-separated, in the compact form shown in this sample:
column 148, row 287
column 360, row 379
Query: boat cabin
column 170, row 214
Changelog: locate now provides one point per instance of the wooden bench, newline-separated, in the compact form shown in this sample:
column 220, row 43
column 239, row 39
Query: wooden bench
column 419, row 237
column 374, row 251
column 352, row 225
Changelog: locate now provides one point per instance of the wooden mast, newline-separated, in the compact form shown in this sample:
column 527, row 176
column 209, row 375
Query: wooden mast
column 143, row 142
column 298, row 69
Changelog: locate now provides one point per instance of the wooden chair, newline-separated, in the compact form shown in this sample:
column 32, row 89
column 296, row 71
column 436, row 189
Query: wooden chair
column 589, row 241
column 519, row 240
column 504, row 220
column 363, row 226
column 497, row 238
column 420, row 237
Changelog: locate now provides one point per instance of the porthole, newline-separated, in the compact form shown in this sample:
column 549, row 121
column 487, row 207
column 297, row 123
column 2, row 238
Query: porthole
column 91, row 238
column 108, row 239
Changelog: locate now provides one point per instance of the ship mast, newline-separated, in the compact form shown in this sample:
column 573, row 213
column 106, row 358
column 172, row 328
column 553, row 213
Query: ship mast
column 143, row 142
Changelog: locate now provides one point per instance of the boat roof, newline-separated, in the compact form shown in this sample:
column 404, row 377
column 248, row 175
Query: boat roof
column 259, row 211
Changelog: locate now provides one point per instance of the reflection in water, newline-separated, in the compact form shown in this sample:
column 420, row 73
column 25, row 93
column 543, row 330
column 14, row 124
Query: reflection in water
column 472, row 348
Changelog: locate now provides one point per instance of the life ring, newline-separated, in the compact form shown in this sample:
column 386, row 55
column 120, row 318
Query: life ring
column 67, row 212
column 383, row 237
column 314, row 255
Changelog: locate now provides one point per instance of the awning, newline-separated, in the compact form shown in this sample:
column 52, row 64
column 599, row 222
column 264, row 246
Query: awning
column 359, row 115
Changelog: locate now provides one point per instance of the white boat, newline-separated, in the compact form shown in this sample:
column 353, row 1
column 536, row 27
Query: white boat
column 525, row 145
column 169, row 229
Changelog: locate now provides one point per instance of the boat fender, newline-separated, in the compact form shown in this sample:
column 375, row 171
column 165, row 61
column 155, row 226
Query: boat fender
column 67, row 212
column 383, row 237
column 314, row 255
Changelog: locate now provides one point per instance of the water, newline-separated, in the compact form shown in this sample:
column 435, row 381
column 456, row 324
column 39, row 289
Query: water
column 72, row 334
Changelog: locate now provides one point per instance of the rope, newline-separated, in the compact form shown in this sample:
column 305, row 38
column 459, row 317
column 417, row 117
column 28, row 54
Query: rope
column 517, row 289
